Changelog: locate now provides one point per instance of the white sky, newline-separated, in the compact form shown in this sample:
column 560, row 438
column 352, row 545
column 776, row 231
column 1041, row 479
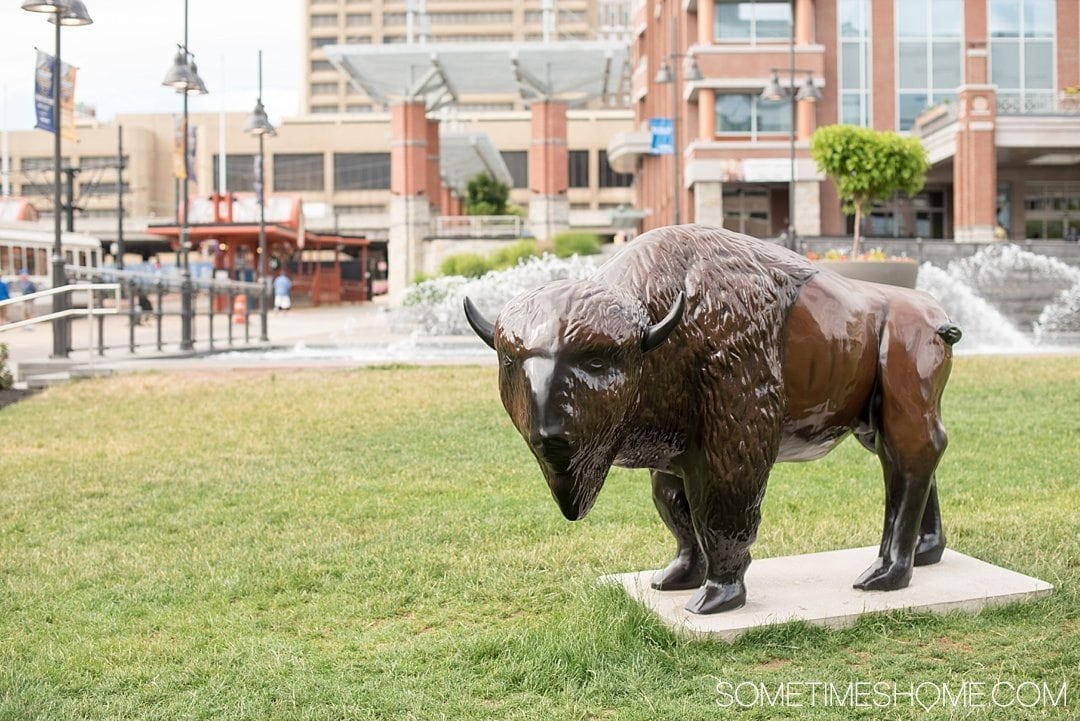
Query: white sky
column 124, row 55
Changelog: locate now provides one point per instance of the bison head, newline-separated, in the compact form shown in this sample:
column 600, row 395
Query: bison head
column 570, row 356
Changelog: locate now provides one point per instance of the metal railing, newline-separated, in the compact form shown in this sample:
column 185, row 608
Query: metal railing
column 138, row 299
column 478, row 226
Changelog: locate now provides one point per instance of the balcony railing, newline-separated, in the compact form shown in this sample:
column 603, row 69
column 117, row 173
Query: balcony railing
column 1038, row 104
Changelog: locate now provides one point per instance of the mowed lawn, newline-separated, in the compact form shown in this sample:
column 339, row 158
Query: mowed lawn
column 379, row 543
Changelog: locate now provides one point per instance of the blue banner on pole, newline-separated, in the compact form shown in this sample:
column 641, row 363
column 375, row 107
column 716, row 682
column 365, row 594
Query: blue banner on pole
column 44, row 97
column 663, row 136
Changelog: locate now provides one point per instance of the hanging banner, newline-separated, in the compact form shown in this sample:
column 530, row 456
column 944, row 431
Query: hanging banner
column 663, row 136
column 181, row 169
column 44, row 107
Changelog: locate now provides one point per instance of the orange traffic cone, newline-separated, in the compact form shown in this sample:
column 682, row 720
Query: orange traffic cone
column 239, row 310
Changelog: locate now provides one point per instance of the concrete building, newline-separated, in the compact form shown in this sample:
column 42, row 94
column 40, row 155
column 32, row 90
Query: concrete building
column 391, row 22
column 991, row 86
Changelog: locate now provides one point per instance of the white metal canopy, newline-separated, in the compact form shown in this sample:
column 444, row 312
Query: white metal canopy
column 465, row 154
column 441, row 73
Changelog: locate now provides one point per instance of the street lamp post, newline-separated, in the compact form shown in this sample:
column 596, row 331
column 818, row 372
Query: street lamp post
column 668, row 74
column 258, row 124
column 61, row 12
column 807, row 91
column 183, row 76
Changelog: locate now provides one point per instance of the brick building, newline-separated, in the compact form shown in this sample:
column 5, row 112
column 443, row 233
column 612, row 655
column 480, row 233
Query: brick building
column 991, row 86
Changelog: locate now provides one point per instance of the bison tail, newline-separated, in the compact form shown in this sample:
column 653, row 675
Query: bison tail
column 950, row 333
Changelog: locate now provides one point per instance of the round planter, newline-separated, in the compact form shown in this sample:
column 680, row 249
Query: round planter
column 897, row 272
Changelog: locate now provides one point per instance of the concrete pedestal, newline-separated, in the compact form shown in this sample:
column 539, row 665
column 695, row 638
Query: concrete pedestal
column 816, row 588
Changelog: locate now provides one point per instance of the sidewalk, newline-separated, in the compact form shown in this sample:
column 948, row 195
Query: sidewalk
column 325, row 336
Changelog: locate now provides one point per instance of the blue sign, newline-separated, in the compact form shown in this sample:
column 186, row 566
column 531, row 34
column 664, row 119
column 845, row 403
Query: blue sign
column 663, row 136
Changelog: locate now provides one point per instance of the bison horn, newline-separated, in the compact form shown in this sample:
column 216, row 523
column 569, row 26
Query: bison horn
column 480, row 325
column 658, row 333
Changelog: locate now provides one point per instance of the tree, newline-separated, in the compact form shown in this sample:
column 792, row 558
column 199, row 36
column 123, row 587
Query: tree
column 487, row 196
column 868, row 165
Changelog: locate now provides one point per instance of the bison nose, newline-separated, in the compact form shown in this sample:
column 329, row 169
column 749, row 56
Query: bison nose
column 553, row 446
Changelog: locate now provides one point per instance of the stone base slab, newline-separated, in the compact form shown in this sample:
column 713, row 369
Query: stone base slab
column 816, row 588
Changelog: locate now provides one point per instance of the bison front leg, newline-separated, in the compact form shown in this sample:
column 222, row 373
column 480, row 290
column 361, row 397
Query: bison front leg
column 687, row 569
column 726, row 517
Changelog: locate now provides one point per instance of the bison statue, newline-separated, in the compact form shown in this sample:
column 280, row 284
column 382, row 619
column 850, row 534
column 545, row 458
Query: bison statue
column 707, row 356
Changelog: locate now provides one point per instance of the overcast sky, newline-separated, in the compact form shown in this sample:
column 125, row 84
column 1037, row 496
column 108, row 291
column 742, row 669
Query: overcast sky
column 124, row 55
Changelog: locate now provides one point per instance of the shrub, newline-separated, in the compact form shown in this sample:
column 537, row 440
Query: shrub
column 6, row 380
column 470, row 265
column 511, row 255
column 576, row 243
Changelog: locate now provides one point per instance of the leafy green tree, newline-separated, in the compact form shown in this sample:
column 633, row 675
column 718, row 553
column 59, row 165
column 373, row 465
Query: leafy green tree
column 868, row 165
column 487, row 196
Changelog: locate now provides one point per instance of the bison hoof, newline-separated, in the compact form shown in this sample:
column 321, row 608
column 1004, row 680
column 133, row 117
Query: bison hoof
column 881, row 577
column 929, row 550
column 714, row 597
column 686, row 570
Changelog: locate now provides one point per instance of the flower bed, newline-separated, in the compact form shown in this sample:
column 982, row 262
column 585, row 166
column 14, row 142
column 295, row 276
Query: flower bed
column 873, row 266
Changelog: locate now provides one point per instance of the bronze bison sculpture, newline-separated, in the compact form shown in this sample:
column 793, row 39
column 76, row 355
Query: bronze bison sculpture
column 707, row 356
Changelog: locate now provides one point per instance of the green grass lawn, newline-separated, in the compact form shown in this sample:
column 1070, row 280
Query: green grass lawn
column 379, row 544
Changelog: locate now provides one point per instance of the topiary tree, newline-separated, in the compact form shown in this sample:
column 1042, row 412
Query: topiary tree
column 487, row 196
column 6, row 380
column 868, row 165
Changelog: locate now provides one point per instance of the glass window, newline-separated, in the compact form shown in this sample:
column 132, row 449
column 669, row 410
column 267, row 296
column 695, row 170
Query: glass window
column 298, row 171
column 361, row 171
column 733, row 113
column 611, row 179
column 911, row 19
column 947, row 18
column 946, row 62
column 1005, row 68
column 1039, row 18
column 750, row 20
column 579, row 168
column 745, row 114
column 911, row 106
column 773, row 117
column 853, row 17
column 517, row 162
column 239, row 173
column 1004, row 18
column 913, row 64
column 852, row 21
column 1039, row 65
column 850, row 66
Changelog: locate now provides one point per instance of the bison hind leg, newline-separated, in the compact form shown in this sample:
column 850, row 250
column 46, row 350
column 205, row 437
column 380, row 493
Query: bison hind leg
column 687, row 569
column 931, row 534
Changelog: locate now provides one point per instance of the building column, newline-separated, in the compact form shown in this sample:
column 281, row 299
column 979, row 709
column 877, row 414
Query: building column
column 804, row 35
column 975, row 165
column 807, row 208
column 705, row 21
column 549, row 171
column 709, row 203
column 434, row 172
column 410, row 213
column 707, row 114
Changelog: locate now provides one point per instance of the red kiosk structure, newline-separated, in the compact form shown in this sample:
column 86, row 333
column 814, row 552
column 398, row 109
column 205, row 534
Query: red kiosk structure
column 226, row 227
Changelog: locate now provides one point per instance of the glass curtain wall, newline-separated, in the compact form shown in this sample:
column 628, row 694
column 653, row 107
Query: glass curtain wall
column 929, row 55
column 853, row 17
column 1022, row 54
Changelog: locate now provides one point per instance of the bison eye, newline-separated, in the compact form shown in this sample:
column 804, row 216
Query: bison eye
column 596, row 363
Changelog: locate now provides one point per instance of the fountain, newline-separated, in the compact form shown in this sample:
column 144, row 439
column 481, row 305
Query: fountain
column 1005, row 299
